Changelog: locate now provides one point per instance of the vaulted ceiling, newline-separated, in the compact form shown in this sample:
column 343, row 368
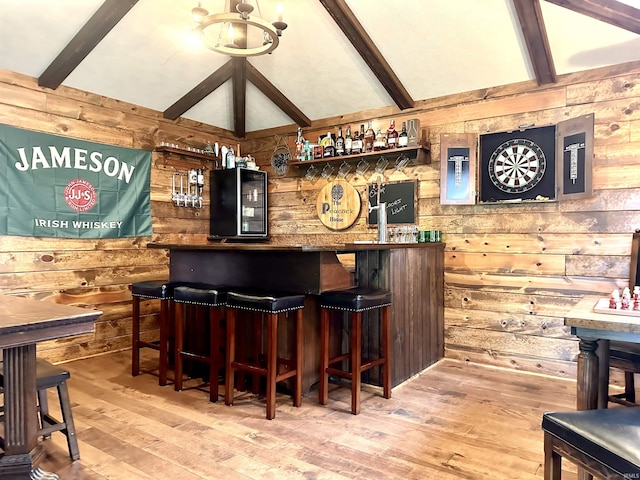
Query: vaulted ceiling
column 336, row 57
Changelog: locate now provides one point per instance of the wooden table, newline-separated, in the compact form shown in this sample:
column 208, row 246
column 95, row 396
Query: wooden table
column 595, row 330
column 23, row 323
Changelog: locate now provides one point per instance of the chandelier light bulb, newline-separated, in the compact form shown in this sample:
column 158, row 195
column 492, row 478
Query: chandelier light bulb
column 199, row 13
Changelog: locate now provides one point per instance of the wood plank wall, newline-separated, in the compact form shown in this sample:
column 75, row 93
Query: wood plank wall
column 98, row 272
column 511, row 271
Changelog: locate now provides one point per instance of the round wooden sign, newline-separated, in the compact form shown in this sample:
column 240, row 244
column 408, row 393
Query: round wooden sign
column 338, row 205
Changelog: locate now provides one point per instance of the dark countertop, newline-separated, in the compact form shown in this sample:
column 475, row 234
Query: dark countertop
column 255, row 246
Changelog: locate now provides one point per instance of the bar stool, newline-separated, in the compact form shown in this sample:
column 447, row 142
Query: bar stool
column 355, row 300
column 603, row 442
column 50, row 376
column 271, row 304
column 625, row 356
column 213, row 299
column 156, row 290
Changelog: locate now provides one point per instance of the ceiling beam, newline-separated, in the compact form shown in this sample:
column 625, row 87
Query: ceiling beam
column 355, row 32
column 239, row 95
column 199, row 92
column 610, row 11
column 92, row 32
column 276, row 96
column 535, row 36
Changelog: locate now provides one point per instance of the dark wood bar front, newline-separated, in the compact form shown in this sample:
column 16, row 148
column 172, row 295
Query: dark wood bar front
column 412, row 272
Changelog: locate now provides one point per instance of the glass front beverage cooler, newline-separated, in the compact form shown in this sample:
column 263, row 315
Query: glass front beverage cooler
column 238, row 203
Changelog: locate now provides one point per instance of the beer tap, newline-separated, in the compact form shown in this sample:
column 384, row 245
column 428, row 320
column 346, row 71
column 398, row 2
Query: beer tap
column 382, row 213
column 200, row 186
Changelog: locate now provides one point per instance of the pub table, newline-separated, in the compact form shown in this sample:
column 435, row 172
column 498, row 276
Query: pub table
column 595, row 330
column 23, row 323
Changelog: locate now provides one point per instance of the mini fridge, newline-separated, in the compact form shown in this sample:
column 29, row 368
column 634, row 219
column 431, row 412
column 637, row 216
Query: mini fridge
column 238, row 204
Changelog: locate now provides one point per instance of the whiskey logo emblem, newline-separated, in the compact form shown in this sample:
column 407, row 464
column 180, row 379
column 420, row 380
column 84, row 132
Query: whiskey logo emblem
column 80, row 195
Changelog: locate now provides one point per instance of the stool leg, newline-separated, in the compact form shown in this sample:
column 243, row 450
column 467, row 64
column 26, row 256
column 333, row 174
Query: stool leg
column 43, row 407
column 214, row 352
column 272, row 363
column 386, row 351
column 257, row 350
column 629, row 387
column 67, row 418
column 135, row 336
column 323, row 388
column 164, row 342
column 297, row 397
column 356, row 361
column 178, row 345
column 231, row 354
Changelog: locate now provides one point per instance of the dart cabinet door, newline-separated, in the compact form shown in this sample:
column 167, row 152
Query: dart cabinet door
column 574, row 157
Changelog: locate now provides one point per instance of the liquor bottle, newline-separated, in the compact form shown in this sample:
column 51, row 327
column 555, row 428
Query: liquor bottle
column 348, row 141
column 358, row 141
column 392, row 135
column 369, row 138
column 380, row 142
column 231, row 158
column 317, row 149
column 307, row 151
column 340, row 142
column 299, row 145
column 403, row 138
column 328, row 146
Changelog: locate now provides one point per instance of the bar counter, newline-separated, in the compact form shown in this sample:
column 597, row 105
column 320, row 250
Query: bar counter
column 412, row 272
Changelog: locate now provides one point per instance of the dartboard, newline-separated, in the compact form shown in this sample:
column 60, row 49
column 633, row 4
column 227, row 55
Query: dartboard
column 517, row 165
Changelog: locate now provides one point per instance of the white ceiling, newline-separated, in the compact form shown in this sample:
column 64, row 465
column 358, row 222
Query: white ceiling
column 435, row 47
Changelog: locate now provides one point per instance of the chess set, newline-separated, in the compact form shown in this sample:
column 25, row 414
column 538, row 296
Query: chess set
column 626, row 304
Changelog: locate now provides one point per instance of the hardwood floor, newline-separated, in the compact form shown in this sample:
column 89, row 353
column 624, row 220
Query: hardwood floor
column 454, row 421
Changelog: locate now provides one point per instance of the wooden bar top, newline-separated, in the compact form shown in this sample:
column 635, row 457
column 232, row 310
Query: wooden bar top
column 582, row 316
column 256, row 246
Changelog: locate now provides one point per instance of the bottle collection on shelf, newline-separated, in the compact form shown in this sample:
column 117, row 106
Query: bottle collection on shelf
column 223, row 157
column 356, row 143
column 627, row 301
column 186, row 189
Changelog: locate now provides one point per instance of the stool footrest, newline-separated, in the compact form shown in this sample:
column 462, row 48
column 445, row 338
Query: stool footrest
column 194, row 356
column 154, row 345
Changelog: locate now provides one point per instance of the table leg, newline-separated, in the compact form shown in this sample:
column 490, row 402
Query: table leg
column 22, row 451
column 603, row 373
column 587, row 384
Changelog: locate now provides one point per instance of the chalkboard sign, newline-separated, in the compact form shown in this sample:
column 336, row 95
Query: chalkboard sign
column 400, row 200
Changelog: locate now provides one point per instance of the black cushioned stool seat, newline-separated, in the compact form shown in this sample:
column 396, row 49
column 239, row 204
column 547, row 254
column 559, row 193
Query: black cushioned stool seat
column 271, row 304
column 355, row 300
column 605, row 442
column 212, row 298
column 156, row 290
column 50, row 376
column 625, row 356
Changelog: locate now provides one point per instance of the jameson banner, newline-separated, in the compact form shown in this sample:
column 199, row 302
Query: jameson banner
column 63, row 187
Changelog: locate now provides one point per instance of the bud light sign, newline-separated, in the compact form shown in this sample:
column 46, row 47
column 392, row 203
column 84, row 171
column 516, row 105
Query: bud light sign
column 61, row 187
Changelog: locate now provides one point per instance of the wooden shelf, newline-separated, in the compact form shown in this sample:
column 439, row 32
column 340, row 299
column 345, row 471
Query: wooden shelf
column 185, row 153
column 421, row 156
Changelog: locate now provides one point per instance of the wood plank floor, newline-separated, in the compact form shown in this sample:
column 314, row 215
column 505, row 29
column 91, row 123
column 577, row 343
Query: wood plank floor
column 453, row 421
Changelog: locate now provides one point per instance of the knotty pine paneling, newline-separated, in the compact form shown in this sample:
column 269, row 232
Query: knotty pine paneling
column 97, row 272
column 511, row 271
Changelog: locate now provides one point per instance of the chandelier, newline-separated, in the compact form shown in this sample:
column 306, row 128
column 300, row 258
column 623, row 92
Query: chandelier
column 238, row 33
